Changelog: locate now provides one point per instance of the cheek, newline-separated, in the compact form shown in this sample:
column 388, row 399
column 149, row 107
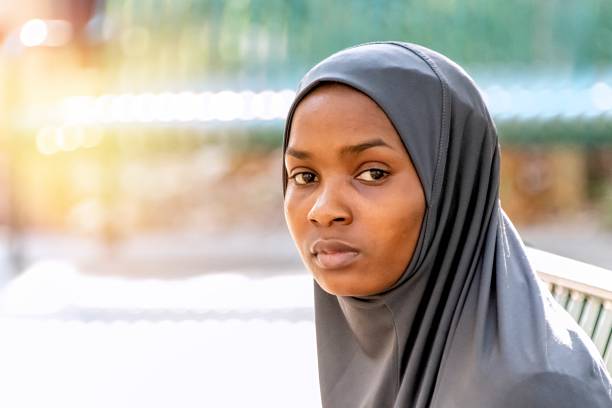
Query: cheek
column 394, row 211
column 296, row 211
column 395, row 232
column 404, row 220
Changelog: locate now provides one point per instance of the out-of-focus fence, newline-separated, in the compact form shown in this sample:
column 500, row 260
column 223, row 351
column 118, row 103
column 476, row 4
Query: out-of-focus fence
column 585, row 291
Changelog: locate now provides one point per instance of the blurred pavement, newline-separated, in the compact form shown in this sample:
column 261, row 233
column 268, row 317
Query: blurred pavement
column 76, row 340
column 584, row 240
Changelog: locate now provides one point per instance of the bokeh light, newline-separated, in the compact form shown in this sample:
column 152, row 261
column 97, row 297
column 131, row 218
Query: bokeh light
column 34, row 33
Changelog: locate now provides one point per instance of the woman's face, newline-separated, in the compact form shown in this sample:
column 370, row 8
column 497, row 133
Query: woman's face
column 354, row 202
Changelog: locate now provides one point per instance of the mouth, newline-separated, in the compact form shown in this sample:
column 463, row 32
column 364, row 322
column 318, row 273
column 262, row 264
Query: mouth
column 333, row 254
column 336, row 260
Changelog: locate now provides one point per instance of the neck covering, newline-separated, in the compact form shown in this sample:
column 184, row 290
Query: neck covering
column 467, row 324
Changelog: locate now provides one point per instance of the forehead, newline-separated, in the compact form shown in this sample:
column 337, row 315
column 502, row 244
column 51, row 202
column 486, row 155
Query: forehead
column 336, row 114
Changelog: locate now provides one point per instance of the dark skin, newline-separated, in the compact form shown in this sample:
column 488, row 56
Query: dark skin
column 354, row 203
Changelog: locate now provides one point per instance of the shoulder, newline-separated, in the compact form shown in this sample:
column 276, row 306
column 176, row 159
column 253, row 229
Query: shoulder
column 558, row 390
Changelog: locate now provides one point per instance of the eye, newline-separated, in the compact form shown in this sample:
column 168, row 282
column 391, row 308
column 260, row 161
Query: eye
column 304, row 177
column 372, row 175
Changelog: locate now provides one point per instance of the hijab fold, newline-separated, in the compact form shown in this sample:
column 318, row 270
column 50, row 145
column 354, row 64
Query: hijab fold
column 467, row 324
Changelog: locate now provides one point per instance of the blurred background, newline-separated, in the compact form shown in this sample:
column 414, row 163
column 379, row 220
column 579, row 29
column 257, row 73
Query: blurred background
column 137, row 128
column 140, row 139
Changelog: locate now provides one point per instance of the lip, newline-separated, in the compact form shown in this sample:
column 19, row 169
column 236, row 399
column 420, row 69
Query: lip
column 333, row 254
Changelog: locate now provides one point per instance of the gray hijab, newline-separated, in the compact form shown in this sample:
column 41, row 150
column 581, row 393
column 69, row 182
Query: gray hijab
column 468, row 324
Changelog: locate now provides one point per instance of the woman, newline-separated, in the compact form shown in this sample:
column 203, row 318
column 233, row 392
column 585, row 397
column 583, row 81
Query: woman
column 423, row 294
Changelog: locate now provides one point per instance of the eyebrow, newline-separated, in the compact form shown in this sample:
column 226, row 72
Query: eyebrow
column 346, row 150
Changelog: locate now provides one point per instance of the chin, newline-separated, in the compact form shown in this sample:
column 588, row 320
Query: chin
column 338, row 287
column 349, row 281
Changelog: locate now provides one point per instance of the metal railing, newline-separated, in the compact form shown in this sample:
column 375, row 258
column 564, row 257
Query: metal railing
column 584, row 290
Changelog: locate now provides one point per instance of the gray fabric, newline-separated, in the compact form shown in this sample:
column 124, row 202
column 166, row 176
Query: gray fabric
column 467, row 325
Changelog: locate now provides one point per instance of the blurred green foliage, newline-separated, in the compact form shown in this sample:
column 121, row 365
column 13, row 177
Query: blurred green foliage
column 270, row 43
column 176, row 45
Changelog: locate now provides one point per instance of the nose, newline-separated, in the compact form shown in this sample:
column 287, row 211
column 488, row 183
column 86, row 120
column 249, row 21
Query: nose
column 330, row 207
